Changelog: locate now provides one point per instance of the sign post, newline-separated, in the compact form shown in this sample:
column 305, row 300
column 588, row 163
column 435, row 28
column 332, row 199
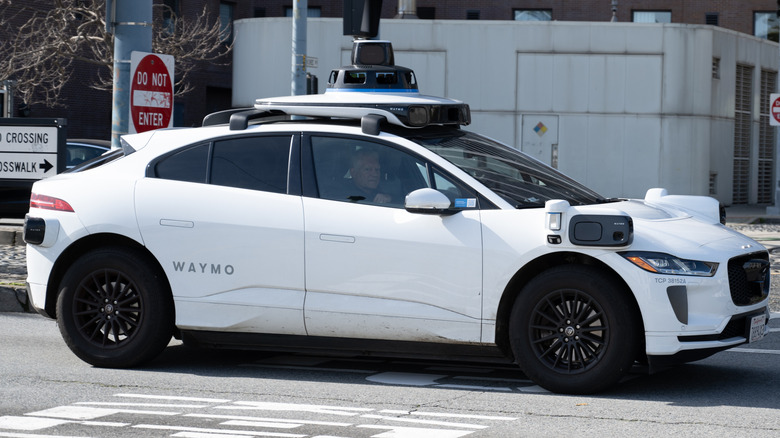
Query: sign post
column 151, row 91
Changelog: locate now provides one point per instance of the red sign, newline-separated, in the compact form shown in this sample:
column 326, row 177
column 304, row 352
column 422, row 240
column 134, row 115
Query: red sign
column 151, row 93
column 774, row 109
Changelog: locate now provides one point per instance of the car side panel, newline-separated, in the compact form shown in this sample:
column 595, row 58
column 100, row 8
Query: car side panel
column 234, row 257
column 384, row 273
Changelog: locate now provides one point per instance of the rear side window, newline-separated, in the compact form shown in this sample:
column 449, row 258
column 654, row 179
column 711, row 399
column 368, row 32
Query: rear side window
column 255, row 163
column 188, row 165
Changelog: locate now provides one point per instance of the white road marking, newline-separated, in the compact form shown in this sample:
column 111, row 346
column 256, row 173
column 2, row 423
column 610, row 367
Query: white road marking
column 205, row 435
column 31, row 435
column 218, row 431
column 87, row 413
column 415, row 424
column 278, row 420
column 447, row 415
column 754, row 350
column 27, row 423
column 268, row 406
column 415, row 432
column 174, row 398
column 426, row 422
column 271, row 424
column 146, row 405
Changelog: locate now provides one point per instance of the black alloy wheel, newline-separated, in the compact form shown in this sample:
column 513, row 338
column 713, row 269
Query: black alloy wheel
column 574, row 329
column 115, row 308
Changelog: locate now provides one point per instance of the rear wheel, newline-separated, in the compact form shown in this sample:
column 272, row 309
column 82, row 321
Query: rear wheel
column 574, row 330
column 114, row 309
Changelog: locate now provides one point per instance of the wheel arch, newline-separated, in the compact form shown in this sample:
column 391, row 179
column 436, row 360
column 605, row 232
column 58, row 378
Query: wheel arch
column 534, row 268
column 85, row 245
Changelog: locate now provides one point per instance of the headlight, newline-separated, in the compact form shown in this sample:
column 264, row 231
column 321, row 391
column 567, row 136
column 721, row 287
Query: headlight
column 661, row 263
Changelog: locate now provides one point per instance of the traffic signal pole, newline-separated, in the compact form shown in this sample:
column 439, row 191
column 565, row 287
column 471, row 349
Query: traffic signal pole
column 300, row 13
column 131, row 23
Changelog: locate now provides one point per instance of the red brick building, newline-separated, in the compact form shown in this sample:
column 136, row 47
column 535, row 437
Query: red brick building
column 89, row 111
column 739, row 15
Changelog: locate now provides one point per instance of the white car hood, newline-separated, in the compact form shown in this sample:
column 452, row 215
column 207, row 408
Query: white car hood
column 659, row 226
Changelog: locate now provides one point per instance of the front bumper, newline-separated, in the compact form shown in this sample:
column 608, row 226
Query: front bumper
column 697, row 347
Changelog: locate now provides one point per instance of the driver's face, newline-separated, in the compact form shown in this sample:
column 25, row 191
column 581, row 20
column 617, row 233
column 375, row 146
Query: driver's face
column 366, row 172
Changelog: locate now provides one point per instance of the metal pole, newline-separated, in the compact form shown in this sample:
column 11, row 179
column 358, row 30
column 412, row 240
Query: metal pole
column 300, row 12
column 131, row 22
column 614, row 11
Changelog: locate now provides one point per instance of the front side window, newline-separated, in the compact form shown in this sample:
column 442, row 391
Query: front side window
column 359, row 171
column 652, row 16
column 765, row 25
column 519, row 179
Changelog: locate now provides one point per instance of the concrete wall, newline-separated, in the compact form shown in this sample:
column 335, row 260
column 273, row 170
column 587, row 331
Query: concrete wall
column 621, row 107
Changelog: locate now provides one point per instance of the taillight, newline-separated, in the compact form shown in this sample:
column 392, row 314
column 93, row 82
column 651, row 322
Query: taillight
column 48, row 203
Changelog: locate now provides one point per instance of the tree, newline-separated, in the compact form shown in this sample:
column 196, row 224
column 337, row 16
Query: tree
column 42, row 39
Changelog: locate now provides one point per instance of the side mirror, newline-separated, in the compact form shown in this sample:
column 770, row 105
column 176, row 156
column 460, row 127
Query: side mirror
column 428, row 201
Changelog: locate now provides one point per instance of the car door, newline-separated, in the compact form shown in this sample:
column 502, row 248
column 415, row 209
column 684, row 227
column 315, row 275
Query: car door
column 375, row 270
column 228, row 232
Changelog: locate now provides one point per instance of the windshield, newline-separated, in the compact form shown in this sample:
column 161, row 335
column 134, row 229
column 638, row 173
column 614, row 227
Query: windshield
column 521, row 180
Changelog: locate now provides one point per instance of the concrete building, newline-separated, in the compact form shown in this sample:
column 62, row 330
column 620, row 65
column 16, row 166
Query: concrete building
column 622, row 107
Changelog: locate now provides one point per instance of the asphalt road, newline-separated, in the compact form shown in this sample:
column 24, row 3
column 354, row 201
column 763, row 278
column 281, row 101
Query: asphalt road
column 187, row 393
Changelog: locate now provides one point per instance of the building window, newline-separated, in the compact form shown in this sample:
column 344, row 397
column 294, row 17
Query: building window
column 426, row 12
column 260, row 12
column 766, row 141
column 742, row 129
column 765, row 25
column 533, row 14
column 711, row 18
column 472, row 14
column 312, row 11
column 652, row 16
column 170, row 11
column 715, row 68
column 226, row 21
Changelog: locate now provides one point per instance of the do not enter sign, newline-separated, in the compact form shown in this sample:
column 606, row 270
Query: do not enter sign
column 151, row 91
column 774, row 109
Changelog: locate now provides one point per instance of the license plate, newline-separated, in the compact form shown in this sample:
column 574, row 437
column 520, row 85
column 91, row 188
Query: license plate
column 757, row 324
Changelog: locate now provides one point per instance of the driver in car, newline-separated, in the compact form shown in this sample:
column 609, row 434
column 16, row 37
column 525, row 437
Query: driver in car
column 366, row 175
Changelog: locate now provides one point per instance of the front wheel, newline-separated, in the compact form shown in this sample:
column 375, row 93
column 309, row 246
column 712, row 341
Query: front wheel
column 574, row 330
column 114, row 309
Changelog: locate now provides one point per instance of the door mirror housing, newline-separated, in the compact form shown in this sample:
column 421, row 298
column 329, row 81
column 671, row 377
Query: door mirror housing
column 428, row 201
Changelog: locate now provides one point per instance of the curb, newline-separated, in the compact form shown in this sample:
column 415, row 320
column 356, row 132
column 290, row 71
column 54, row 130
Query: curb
column 10, row 235
column 13, row 298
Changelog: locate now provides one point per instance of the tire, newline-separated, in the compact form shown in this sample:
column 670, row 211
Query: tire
column 114, row 309
column 574, row 330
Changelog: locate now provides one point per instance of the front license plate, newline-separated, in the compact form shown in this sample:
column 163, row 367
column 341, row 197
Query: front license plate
column 757, row 324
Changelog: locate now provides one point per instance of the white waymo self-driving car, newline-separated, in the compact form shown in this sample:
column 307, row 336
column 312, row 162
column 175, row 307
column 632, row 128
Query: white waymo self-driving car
column 371, row 220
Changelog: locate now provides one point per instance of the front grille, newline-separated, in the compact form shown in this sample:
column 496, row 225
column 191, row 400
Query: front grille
column 749, row 278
